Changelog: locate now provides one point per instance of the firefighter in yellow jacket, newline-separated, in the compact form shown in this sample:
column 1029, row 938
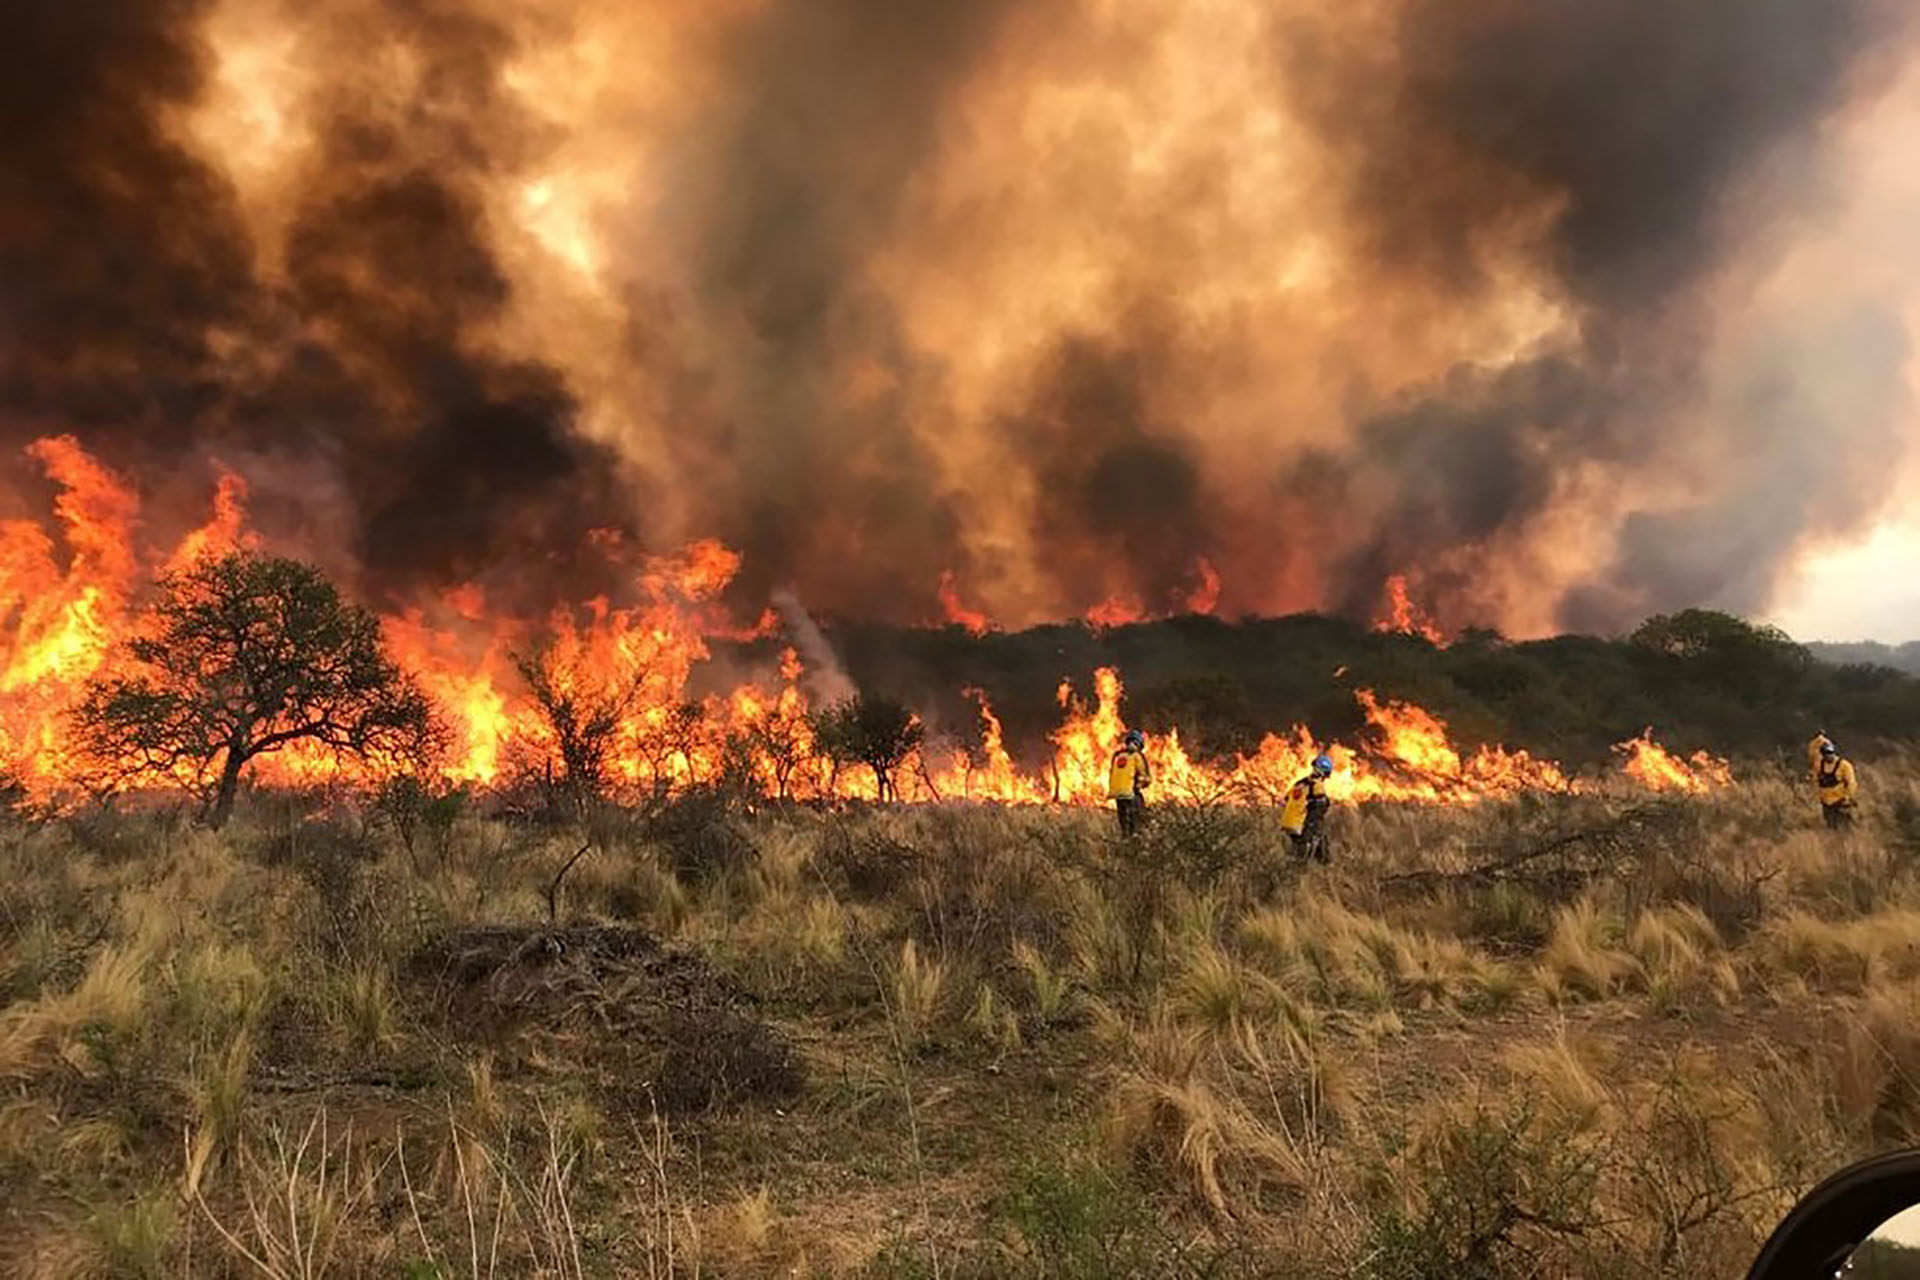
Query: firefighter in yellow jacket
column 1304, row 816
column 1839, row 788
column 1814, row 747
column 1128, row 776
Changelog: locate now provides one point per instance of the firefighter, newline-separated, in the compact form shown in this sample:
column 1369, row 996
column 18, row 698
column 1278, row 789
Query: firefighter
column 1838, row 787
column 1127, row 779
column 1819, row 741
column 1304, row 817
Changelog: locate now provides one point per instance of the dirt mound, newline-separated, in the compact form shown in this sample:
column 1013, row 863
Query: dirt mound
column 613, row 1001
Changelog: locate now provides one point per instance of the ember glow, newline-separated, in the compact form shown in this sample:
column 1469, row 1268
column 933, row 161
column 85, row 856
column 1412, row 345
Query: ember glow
column 71, row 594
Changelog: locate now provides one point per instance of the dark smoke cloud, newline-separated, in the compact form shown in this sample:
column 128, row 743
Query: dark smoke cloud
column 1639, row 116
column 831, row 110
column 1821, row 399
column 1124, row 507
column 119, row 252
column 1623, row 152
column 131, row 282
column 1631, row 131
column 1469, row 463
column 1639, row 123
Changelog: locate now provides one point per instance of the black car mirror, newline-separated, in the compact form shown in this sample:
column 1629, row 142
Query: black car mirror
column 1828, row 1232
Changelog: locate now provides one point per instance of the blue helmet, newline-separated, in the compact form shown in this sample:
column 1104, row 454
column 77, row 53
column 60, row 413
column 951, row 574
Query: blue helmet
column 1136, row 739
column 1323, row 765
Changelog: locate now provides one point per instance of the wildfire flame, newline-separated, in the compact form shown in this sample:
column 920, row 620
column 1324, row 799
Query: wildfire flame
column 1656, row 768
column 1407, row 618
column 69, row 593
column 975, row 622
column 1115, row 611
column 1205, row 596
column 1123, row 609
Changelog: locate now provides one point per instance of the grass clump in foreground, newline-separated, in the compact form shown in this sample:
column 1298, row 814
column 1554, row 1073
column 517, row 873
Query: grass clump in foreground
column 957, row 1041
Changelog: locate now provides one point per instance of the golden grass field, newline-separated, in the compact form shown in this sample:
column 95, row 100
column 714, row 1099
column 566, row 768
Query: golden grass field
column 1593, row 1036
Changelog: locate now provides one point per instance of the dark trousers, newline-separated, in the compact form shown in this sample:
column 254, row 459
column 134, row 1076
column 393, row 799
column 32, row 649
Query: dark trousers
column 1129, row 809
column 1839, row 816
column 1311, row 844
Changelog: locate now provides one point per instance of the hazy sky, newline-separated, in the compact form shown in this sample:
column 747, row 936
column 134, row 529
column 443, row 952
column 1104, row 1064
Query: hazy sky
column 1903, row 1228
column 1870, row 591
column 1867, row 587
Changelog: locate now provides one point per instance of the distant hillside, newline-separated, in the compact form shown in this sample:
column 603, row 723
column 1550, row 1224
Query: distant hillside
column 1904, row 657
column 1701, row 679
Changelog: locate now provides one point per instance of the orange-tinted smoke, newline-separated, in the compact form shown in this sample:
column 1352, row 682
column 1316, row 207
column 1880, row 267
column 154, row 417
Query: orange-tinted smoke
column 1065, row 299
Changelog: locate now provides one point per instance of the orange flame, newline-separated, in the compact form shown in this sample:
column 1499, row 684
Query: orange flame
column 1206, row 596
column 1115, row 611
column 67, row 594
column 990, row 773
column 1657, row 769
column 224, row 532
column 63, row 622
column 1406, row 617
column 1123, row 608
column 957, row 613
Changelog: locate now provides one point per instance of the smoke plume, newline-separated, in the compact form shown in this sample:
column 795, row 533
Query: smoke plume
column 826, row 681
column 1568, row 310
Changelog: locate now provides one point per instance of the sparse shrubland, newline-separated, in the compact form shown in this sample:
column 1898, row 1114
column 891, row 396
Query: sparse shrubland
column 1562, row 1036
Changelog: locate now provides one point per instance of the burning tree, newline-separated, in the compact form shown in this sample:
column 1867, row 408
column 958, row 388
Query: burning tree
column 783, row 739
column 876, row 732
column 583, row 719
column 239, row 657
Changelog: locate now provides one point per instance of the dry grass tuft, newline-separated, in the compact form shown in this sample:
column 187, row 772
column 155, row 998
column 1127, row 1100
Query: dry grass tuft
column 86, row 1028
column 219, row 1093
column 915, row 988
column 1843, row 955
column 133, row 1237
column 1223, row 1152
column 1679, row 953
column 1050, row 988
column 995, row 1025
column 1568, row 1070
column 362, row 1009
column 1336, row 957
column 1217, row 992
column 1584, row 957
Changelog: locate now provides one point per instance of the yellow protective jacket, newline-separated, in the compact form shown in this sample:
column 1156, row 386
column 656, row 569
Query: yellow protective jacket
column 1837, row 783
column 1307, row 798
column 1128, row 775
